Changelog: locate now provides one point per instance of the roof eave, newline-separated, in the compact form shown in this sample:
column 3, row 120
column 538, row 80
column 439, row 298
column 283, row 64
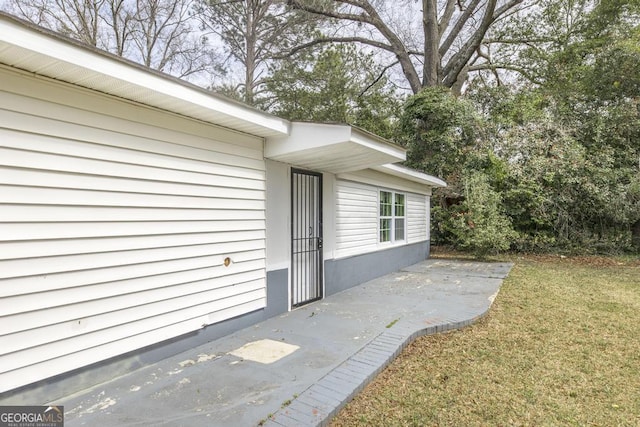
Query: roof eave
column 335, row 148
column 411, row 175
column 36, row 50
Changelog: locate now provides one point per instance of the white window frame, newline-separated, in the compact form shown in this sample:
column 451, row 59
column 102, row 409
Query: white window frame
column 392, row 218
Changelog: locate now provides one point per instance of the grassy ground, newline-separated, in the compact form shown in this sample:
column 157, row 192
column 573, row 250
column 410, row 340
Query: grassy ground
column 560, row 347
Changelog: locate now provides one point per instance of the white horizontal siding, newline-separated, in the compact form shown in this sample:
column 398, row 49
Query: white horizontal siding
column 59, row 264
column 41, row 248
column 23, row 149
column 235, row 306
column 124, row 321
column 24, row 195
column 383, row 180
column 356, row 218
column 54, row 213
column 58, row 104
column 121, row 222
column 113, row 232
column 417, row 218
column 149, row 289
column 103, row 276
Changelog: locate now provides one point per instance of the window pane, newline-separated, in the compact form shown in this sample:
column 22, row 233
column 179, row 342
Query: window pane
column 385, row 230
column 385, row 203
column 399, row 229
column 399, row 205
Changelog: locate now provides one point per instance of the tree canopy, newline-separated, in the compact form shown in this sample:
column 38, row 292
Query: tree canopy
column 434, row 43
column 529, row 109
column 565, row 153
column 254, row 34
column 360, row 93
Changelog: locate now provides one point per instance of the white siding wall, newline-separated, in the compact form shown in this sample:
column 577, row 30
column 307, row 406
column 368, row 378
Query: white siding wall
column 417, row 218
column 114, row 227
column 357, row 218
column 278, row 216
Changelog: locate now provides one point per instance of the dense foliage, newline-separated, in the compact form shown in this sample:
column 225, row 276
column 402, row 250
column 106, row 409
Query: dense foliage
column 561, row 156
column 360, row 94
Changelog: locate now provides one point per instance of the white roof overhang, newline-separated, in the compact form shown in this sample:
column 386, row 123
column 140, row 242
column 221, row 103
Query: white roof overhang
column 39, row 51
column 411, row 175
column 335, row 148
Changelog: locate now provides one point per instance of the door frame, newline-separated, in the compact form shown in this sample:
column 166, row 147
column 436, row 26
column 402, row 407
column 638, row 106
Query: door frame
column 307, row 265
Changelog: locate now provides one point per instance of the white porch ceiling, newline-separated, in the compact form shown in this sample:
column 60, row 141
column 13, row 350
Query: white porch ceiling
column 332, row 148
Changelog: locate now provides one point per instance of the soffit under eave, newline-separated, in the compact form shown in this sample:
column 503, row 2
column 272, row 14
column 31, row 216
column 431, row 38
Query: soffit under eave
column 331, row 148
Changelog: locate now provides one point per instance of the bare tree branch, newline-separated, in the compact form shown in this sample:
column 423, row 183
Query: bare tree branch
column 456, row 33
column 377, row 79
column 462, row 20
column 371, row 17
column 309, row 7
column 443, row 23
column 157, row 33
column 458, row 62
column 330, row 40
column 506, row 8
column 509, row 67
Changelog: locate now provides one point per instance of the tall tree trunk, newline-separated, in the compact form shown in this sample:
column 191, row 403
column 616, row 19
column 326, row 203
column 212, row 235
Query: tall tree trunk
column 431, row 69
column 250, row 40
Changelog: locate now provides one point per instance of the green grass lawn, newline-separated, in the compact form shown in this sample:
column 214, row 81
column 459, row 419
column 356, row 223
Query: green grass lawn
column 559, row 347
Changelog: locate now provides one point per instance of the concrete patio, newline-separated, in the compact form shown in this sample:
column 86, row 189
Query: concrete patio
column 300, row 368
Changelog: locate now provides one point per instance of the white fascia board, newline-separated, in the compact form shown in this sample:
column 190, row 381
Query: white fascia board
column 411, row 175
column 308, row 136
column 117, row 76
column 375, row 142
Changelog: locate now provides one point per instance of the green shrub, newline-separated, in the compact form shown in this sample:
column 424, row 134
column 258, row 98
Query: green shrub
column 478, row 223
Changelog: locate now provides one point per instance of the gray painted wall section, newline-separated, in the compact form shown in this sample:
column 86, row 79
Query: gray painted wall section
column 52, row 389
column 347, row 272
column 277, row 292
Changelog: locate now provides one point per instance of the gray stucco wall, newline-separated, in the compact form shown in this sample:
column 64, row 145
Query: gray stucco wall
column 347, row 272
column 51, row 389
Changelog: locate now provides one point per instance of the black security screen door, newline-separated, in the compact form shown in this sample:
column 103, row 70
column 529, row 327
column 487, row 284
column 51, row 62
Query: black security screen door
column 306, row 237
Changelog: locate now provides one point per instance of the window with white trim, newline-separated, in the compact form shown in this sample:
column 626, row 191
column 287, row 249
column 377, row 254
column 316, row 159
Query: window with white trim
column 392, row 216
